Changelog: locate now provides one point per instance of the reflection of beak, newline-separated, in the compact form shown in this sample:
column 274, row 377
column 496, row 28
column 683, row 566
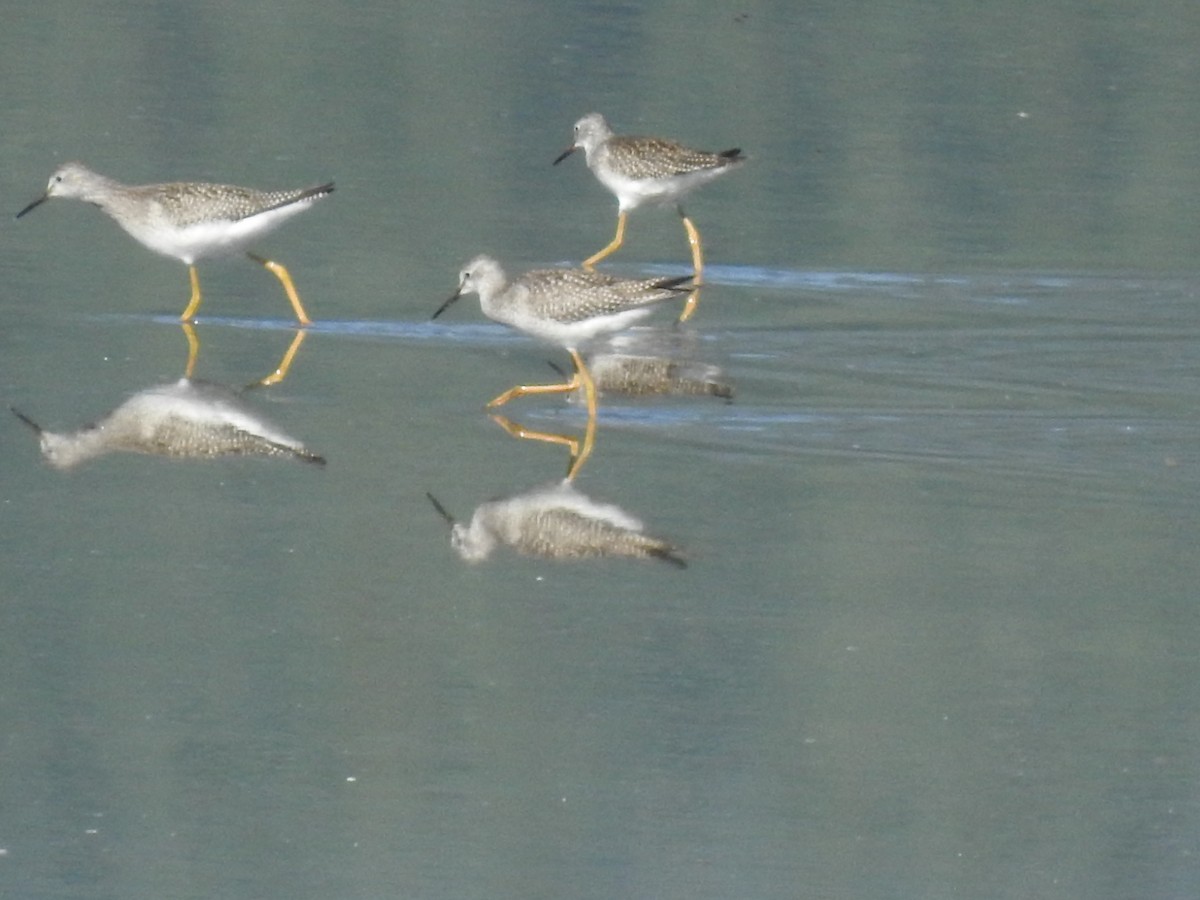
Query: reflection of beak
column 28, row 421
column 432, row 499
column 36, row 203
column 561, row 157
column 441, row 309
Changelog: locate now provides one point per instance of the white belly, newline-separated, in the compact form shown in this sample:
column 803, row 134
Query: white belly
column 190, row 243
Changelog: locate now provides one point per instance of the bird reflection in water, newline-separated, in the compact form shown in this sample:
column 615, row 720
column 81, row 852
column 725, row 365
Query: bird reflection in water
column 184, row 419
column 654, row 362
column 635, row 375
column 555, row 521
column 648, row 362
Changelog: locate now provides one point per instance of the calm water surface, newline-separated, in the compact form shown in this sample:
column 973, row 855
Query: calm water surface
column 936, row 632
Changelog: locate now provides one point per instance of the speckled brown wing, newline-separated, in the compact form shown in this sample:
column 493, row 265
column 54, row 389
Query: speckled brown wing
column 575, row 295
column 565, row 534
column 181, row 437
column 189, row 203
column 650, row 157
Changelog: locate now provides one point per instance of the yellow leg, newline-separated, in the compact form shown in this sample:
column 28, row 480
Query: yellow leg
column 189, row 314
column 690, row 306
column 281, row 370
column 693, row 237
column 613, row 244
column 579, row 452
column 584, row 377
column 550, row 437
column 581, row 377
column 522, row 390
column 286, row 280
column 580, row 456
column 193, row 349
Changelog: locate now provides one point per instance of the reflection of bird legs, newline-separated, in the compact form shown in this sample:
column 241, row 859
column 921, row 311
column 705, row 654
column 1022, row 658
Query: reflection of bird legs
column 690, row 306
column 289, row 355
column 579, row 452
column 193, row 343
column 693, row 237
column 581, row 377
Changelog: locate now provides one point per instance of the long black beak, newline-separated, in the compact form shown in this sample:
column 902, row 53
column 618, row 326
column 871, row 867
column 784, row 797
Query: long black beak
column 36, row 203
column 561, row 156
column 28, row 421
column 441, row 509
column 441, row 309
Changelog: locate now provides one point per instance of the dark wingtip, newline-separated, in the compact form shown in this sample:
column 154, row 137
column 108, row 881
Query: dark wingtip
column 681, row 283
column 319, row 190
column 734, row 155
column 669, row 555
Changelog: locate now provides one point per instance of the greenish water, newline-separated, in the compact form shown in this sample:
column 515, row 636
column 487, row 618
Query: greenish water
column 936, row 632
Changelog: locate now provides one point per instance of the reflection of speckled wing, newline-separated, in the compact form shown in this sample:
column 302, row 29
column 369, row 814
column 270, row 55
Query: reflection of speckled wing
column 181, row 437
column 656, row 375
column 565, row 534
